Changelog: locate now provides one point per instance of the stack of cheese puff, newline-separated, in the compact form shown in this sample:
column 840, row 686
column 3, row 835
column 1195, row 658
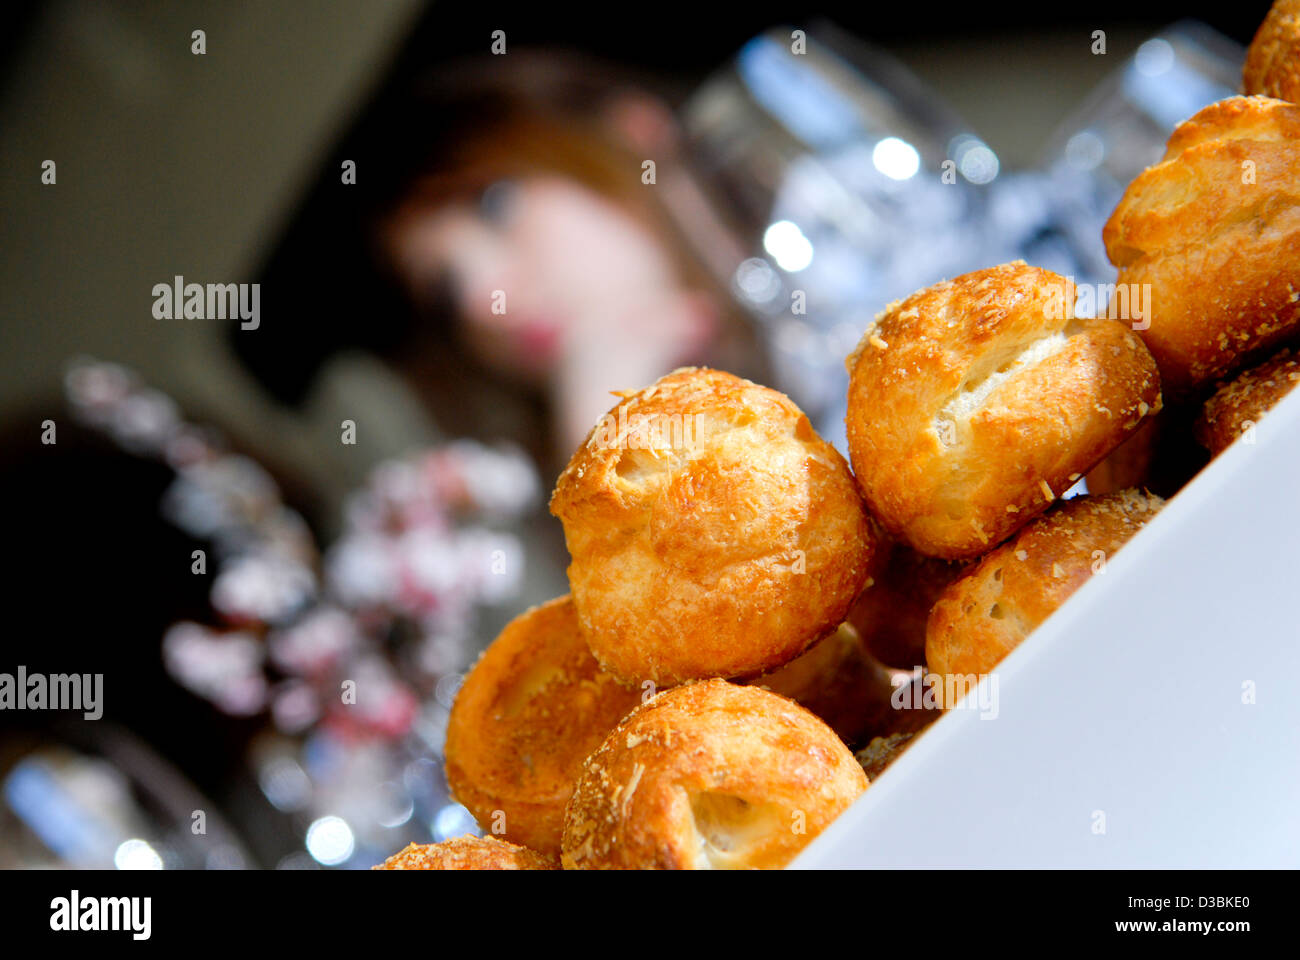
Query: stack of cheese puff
column 744, row 608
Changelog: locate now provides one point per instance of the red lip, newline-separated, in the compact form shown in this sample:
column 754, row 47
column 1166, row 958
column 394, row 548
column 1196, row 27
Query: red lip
column 539, row 340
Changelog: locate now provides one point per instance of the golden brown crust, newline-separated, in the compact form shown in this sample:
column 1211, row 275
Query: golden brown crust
column 1273, row 60
column 725, row 551
column 1242, row 403
column 1214, row 228
column 890, row 614
column 467, row 853
column 532, row 709
column 976, row 402
column 986, row 614
column 709, row 775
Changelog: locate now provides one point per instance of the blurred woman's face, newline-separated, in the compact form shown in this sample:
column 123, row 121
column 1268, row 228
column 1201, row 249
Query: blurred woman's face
column 535, row 266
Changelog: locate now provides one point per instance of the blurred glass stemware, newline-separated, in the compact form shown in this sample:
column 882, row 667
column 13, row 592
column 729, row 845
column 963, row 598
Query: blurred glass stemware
column 1121, row 129
column 852, row 185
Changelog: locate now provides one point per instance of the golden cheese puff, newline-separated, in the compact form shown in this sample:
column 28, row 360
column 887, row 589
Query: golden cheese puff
column 713, row 533
column 709, row 776
column 881, row 752
column 1214, row 229
column 1273, row 60
column 973, row 402
column 533, row 707
column 890, row 614
column 986, row 614
column 1239, row 405
column 466, row 853
column 843, row 684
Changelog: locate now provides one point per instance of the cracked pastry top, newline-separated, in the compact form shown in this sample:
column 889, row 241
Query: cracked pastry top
column 1214, row 229
column 709, row 776
column 976, row 402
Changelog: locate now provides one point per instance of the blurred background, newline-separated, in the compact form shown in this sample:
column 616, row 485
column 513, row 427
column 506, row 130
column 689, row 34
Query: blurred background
column 282, row 544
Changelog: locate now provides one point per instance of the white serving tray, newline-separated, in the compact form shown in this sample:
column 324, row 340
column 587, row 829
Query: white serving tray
column 1129, row 701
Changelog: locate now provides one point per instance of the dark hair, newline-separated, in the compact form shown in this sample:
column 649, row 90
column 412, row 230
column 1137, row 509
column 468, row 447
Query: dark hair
column 445, row 137
column 326, row 286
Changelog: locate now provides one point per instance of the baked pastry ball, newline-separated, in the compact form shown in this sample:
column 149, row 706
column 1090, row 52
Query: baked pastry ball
column 843, row 684
column 975, row 403
column 890, row 614
column 466, row 853
column 533, row 707
column 1214, row 229
column 986, row 614
column 709, row 776
column 712, row 532
column 1273, row 60
column 1240, row 404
